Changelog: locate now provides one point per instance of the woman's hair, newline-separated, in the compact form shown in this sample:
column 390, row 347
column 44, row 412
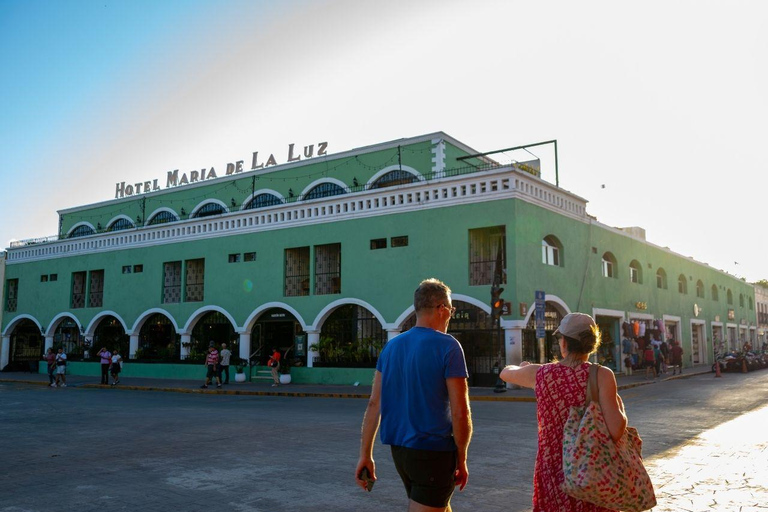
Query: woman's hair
column 587, row 342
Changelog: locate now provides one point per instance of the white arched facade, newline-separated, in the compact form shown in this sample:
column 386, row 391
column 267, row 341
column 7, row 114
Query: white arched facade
column 79, row 224
column 259, row 192
column 142, row 318
column 197, row 315
column 91, row 329
column 58, row 319
column 207, row 202
column 17, row 320
column 254, row 316
column 159, row 211
column 316, row 183
column 327, row 310
column 391, row 168
column 554, row 299
column 117, row 218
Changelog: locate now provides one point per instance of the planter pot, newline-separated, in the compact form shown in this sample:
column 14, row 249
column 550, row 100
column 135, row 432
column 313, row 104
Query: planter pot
column 285, row 378
column 239, row 377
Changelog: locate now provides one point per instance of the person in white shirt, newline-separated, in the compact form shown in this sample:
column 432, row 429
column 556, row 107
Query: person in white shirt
column 225, row 355
column 116, row 366
column 61, row 368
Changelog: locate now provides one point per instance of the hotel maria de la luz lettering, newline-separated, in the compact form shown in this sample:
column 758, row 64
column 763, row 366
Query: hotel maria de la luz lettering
column 318, row 254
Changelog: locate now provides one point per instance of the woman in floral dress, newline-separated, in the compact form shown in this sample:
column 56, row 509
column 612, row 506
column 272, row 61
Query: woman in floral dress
column 560, row 386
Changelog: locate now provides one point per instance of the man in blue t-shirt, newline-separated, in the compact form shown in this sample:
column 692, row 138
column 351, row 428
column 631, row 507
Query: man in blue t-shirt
column 420, row 398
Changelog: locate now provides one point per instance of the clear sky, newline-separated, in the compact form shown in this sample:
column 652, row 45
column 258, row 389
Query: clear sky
column 659, row 108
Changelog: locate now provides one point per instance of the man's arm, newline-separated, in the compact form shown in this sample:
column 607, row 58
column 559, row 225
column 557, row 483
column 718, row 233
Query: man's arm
column 461, row 416
column 368, row 432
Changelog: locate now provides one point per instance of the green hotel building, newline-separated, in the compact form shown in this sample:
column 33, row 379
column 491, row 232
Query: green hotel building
column 319, row 257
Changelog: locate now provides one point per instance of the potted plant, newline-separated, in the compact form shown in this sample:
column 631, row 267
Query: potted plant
column 285, row 371
column 240, row 370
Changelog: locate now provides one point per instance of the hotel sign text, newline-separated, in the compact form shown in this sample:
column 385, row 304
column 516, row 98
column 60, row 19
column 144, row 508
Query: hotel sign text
column 174, row 179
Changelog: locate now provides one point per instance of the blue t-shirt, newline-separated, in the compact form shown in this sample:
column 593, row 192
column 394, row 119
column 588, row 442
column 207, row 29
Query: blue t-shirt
column 415, row 408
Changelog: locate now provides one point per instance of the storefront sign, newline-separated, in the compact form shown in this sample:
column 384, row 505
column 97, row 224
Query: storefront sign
column 464, row 315
column 641, row 305
column 174, row 179
column 731, row 314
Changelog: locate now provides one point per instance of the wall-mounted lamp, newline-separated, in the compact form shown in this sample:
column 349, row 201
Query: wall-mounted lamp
column 98, row 226
column 183, row 212
column 138, row 219
column 290, row 192
column 233, row 202
column 354, row 182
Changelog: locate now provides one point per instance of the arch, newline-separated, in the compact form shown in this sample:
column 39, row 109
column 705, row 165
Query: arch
column 555, row 300
column 551, row 251
column 741, row 300
column 391, row 169
column 251, row 320
column 17, row 320
column 609, row 265
column 661, row 278
column 58, row 319
column 635, row 272
column 729, row 296
column 81, row 229
column 682, row 284
column 715, row 294
column 262, row 192
column 198, row 314
column 700, row 289
column 120, row 222
column 327, row 310
column 157, row 217
column 94, row 323
column 306, row 194
column 139, row 323
column 202, row 209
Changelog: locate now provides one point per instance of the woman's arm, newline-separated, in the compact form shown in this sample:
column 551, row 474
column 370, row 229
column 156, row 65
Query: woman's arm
column 611, row 403
column 523, row 375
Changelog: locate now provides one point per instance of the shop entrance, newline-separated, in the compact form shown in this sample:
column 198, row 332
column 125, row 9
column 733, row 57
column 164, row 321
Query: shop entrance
column 110, row 334
column 609, row 352
column 275, row 328
column 698, row 350
column 26, row 348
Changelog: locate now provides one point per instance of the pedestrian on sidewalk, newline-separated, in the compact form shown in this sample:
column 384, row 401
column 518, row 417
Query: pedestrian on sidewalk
column 635, row 354
column 225, row 354
column 649, row 361
column 421, row 399
column 50, row 359
column 664, row 356
column 676, row 357
column 657, row 358
column 61, row 368
column 212, row 362
column 560, row 386
column 106, row 360
column 274, row 365
column 626, row 350
column 116, row 367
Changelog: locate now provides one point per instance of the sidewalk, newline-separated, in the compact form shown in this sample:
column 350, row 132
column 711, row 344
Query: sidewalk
column 311, row 390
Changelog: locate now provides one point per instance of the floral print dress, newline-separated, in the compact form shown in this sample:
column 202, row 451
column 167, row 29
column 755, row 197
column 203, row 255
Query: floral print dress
column 558, row 388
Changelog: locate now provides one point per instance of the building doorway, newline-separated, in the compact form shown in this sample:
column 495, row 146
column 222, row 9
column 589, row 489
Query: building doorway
column 212, row 327
column 26, row 348
column 110, row 334
column 698, row 345
column 531, row 350
column 275, row 328
column 609, row 352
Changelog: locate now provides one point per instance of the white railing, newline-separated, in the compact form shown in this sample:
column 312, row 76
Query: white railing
column 495, row 184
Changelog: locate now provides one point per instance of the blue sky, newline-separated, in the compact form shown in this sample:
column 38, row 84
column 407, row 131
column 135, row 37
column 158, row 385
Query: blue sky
column 663, row 103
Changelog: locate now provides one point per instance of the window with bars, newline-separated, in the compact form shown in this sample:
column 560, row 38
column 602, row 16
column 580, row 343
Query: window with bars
column 96, row 289
column 171, row 282
column 635, row 272
column 195, row 280
column 263, row 201
column 11, row 295
column 209, row 210
column 378, row 243
column 297, row 272
column 162, row 218
column 715, row 295
column 399, row 241
column 327, row 269
column 120, row 224
column 393, row 178
column 82, row 231
column 486, row 247
column 249, row 256
column 324, row 190
column 78, row 290
column 700, row 289
column 682, row 284
column 661, row 279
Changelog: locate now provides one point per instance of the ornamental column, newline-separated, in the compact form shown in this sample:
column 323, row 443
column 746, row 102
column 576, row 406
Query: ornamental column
column 133, row 346
column 245, row 345
column 391, row 333
column 186, row 341
column 5, row 349
column 313, row 338
column 48, row 343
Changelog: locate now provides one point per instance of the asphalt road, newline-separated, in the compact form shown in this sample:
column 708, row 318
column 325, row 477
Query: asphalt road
column 110, row 449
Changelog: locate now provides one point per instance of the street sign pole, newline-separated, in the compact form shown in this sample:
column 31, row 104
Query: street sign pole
column 541, row 333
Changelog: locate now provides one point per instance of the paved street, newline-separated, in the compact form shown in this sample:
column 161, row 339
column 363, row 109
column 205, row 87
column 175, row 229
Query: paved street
column 89, row 449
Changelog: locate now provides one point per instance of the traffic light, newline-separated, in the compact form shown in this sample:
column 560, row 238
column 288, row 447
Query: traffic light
column 497, row 303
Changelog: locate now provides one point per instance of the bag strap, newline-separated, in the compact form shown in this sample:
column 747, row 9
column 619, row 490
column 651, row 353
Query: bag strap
column 592, row 387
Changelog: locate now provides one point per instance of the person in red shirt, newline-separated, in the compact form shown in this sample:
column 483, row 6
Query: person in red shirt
column 676, row 357
column 212, row 362
column 274, row 365
column 50, row 358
